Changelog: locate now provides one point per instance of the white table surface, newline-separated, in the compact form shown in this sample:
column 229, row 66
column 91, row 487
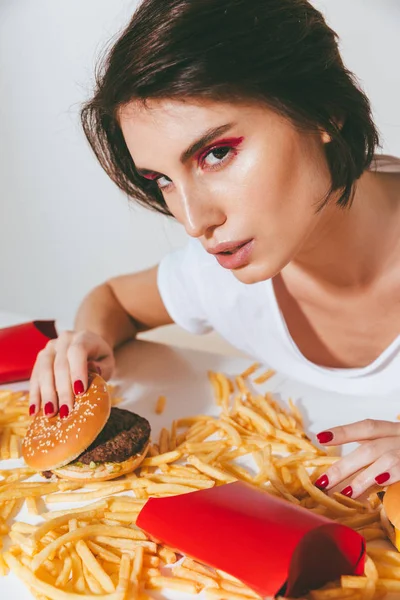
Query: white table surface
column 146, row 370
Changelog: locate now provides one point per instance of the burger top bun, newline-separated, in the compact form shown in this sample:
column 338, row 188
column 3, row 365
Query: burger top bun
column 53, row 442
column 391, row 504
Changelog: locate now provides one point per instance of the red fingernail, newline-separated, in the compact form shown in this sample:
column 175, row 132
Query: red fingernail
column 322, row 482
column 382, row 478
column 325, row 436
column 32, row 409
column 98, row 370
column 64, row 411
column 48, row 408
column 348, row 491
column 78, row 387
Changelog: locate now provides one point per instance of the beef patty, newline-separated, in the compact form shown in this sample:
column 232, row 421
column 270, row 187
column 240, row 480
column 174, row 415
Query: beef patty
column 124, row 435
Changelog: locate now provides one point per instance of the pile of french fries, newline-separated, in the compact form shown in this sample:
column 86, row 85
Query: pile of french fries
column 96, row 550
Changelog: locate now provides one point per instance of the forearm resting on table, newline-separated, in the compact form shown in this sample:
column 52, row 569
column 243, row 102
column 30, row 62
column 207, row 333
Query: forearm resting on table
column 123, row 307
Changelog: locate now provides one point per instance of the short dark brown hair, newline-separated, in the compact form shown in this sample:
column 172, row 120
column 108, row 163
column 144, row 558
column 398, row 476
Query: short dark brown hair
column 279, row 52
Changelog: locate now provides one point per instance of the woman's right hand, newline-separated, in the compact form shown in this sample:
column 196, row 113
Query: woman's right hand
column 61, row 371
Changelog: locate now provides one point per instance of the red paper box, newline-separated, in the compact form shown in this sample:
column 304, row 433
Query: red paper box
column 272, row 545
column 19, row 347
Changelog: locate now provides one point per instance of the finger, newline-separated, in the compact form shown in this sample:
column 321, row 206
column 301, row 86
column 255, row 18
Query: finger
column 94, row 367
column 369, row 429
column 77, row 355
column 384, row 471
column 106, row 366
column 34, row 394
column 46, row 381
column 62, row 378
column 360, row 458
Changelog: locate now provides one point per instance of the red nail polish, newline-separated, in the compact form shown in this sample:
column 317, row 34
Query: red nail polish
column 64, row 411
column 78, row 387
column 48, row 408
column 325, row 436
column 347, row 491
column 382, row 478
column 322, row 482
column 32, row 409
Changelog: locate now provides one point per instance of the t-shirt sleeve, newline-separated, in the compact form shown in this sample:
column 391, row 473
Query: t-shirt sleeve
column 179, row 283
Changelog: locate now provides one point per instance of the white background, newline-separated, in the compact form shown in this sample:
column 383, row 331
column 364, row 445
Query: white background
column 64, row 227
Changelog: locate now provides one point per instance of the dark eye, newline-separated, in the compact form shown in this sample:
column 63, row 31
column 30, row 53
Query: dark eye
column 216, row 156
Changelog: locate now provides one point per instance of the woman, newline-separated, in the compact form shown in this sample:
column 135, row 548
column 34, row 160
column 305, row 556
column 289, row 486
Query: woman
column 239, row 119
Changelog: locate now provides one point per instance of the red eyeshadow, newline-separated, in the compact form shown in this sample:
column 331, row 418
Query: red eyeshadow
column 150, row 176
column 232, row 142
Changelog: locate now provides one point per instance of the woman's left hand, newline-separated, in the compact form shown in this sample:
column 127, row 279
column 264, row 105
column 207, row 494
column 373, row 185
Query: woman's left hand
column 379, row 452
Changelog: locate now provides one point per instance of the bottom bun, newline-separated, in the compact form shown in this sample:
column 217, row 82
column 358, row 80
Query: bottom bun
column 102, row 472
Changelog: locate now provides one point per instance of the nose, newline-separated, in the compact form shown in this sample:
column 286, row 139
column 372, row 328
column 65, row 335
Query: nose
column 201, row 213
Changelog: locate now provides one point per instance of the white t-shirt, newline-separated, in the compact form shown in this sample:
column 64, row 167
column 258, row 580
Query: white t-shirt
column 202, row 296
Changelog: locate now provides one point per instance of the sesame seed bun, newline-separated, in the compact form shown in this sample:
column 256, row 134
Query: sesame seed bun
column 390, row 513
column 102, row 472
column 51, row 443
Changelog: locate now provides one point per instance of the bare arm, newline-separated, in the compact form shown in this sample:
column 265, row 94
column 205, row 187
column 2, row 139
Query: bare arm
column 123, row 307
column 110, row 314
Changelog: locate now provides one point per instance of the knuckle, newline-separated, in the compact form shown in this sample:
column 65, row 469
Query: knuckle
column 65, row 335
column 75, row 348
column 369, row 426
column 391, row 458
column 65, row 397
column 368, row 450
column 334, row 473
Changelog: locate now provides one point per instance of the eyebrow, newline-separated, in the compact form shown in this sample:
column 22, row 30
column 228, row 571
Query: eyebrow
column 197, row 145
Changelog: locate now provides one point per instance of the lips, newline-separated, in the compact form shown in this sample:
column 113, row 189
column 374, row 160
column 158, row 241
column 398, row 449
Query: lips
column 234, row 256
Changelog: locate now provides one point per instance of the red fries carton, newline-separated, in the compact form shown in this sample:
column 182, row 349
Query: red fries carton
column 272, row 545
column 19, row 346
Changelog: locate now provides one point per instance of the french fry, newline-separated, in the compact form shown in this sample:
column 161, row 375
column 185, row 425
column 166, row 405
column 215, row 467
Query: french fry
column 48, row 590
column 217, row 594
column 195, row 576
column 5, row 444
column 103, row 553
column 63, row 577
column 238, row 588
column 174, row 583
column 250, row 370
column 320, row 497
column 168, row 457
column 14, row 446
column 193, row 565
column 164, row 441
column 164, row 489
column 125, row 543
column 167, row 555
column 123, row 578
column 31, row 505
column 80, row 533
column 109, row 490
column 264, row 377
column 193, row 482
column 213, row 472
column 94, row 567
column 160, row 405
column 137, row 565
column 173, row 436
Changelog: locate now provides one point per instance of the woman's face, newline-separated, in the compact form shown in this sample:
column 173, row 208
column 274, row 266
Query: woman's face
column 249, row 192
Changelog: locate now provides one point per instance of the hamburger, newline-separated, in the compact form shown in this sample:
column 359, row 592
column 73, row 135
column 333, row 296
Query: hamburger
column 390, row 513
column 95, row 442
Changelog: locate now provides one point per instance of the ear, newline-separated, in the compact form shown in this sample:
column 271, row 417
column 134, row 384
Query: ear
column 325, row 137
